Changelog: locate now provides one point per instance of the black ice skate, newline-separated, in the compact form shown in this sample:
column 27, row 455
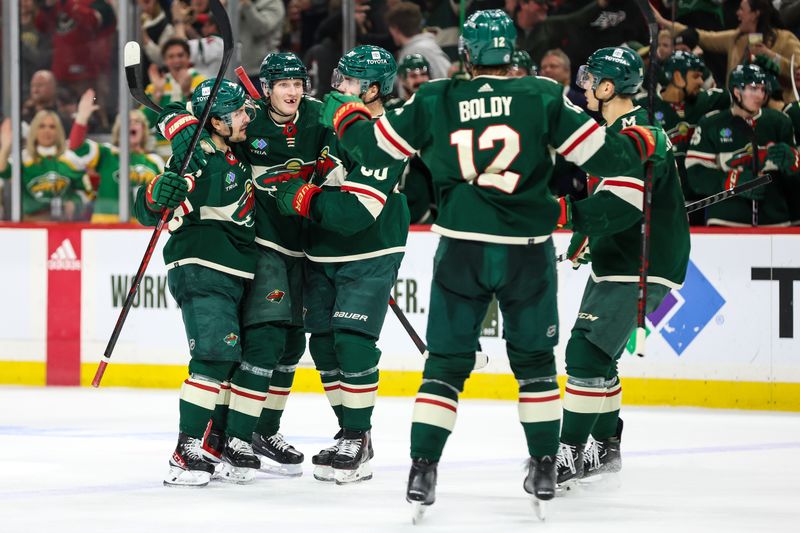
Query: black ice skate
column 277, row 456
column 540, row 482
column 351, row 462
column 213, row 443
column 569, row 465
column 603, row 456
column 323, row 461
column 187, row 468
column 421, row 491
column 239, row 463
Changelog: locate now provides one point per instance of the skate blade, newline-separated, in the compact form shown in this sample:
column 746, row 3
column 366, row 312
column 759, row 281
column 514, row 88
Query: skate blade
column 233, row 474
column 417, row 512
column 178, row 477
column 568, row 487
column 539, row 508
column 271, row 467
column 323, row 473
column 362, row 473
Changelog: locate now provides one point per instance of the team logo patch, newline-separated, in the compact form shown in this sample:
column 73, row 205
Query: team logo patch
column 230, row 178
column 276, row 296
column 231, row 339
column 659, row 116
column 726, row 135
column 259, row 144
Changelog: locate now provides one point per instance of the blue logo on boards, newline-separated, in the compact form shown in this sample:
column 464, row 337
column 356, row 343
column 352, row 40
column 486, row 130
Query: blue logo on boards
column 684, row 313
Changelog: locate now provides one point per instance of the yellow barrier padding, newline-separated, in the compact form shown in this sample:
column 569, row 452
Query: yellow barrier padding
column 635, row 391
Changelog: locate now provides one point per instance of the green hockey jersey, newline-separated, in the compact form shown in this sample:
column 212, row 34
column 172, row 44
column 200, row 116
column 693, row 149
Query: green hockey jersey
column 103, row 159
column 361, row 217
column 612, row 215
column 718, row 138
column 48, row 177
column 489, row 143
column 215, row 226
column 302, row 144
column 679, row 121
column 793, row 110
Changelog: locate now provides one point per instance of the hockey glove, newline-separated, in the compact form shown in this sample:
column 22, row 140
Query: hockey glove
column 178, row 127
column 651, row 142
column 166, row 191
column 340, row 111
column 745, row 159
column 578, row 250
column 294, row 197
column 740, row 177
column 565, row 217
column 785, row 157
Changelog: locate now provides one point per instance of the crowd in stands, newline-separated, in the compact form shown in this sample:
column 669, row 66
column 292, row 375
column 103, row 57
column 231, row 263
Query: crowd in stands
column 69, row 67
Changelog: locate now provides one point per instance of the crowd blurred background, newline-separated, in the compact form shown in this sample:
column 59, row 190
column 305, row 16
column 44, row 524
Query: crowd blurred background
column 69, row 60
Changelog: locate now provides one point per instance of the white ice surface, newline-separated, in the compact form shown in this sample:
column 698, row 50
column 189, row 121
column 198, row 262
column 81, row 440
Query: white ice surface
column 83, row 460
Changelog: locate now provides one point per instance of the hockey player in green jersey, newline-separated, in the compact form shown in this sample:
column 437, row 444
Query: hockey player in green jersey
column 284, row 134
column 102, row 160
column 608, row 223
column 720, row 155
column 793, row 110
column 522, row 65
column 496, row 216
column 681, row 103
column 210, row 257
column 354, row 243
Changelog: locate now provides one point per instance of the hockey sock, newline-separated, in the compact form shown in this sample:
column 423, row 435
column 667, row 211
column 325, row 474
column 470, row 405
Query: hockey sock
column 323, row 353
column 587, row 366
column 281, row 384
column 199, row 395
column 219, row 418
column 606, row 425
column 248, row 392
column 436, row 404
column 539, row 399
column 358, row 360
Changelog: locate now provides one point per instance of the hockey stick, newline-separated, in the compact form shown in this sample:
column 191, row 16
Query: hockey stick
column 248, row 85
column 794, row 83
column 647, row 200
column 224, row 24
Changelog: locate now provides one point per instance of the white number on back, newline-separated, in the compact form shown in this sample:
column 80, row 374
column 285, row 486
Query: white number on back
column 495, row 175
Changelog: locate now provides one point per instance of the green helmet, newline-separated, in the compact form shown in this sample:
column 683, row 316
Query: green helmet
column 230, row 97
column 369, row 64
column 488, row 37
column 682, row 62
column 744, row 75
column 282, row 66
column 413, row 62
column 522, row 59
column 622, row 66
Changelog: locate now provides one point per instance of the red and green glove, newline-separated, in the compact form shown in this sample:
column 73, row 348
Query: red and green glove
column 166, row 191
column 785, row 157
column 651, row 142
column 578, row 250
column 340, row 111
column 565, row 217
column 178, row 127
column 745, row 159
column 294, row 196
column 740, row 176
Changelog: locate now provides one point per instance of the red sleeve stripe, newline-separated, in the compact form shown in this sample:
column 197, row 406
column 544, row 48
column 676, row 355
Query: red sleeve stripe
column 387, row 132
column 581, row 137
column 618, row 183
column 365, row 191
column 696, row 155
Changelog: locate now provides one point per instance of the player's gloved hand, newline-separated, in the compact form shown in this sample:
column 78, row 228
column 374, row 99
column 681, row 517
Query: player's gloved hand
column 341, row 110
column 740, row 177
column 745, row 159
column 650, row 141
column 565, row 217
column 166, row 191
column 294, row 197
column 785, row 157
column 578, row 250
column 178, row 127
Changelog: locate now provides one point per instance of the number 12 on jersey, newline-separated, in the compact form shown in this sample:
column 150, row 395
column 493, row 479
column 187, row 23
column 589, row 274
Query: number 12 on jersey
column 496, row 175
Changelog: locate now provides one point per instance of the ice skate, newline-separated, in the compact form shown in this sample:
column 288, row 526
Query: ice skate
column 277, row 456
column 213, row 443
column 421, row 491
column 187, row 467
column 239, row 463
column 569, row 466
column 323, row 461
column 351, row 462
column 602, row 459
column 540, row 482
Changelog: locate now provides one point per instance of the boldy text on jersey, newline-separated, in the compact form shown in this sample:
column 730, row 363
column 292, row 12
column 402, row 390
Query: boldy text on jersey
column 493, row 106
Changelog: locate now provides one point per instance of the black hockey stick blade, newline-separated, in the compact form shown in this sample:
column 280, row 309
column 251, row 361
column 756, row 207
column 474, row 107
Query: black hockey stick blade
column 728, row 193
column 224, row 25
column 133, row 73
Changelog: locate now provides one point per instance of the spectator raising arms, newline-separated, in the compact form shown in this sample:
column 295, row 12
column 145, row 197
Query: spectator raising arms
column 52, row 184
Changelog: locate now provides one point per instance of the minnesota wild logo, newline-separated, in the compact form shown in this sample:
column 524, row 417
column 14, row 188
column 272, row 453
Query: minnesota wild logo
column 275, row 296
column 46, row 186
column 245, row 207
column 231, row 339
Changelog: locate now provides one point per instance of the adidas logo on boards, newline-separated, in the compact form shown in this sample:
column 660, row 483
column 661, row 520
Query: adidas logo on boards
column 486, row 88
column 64, row 258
